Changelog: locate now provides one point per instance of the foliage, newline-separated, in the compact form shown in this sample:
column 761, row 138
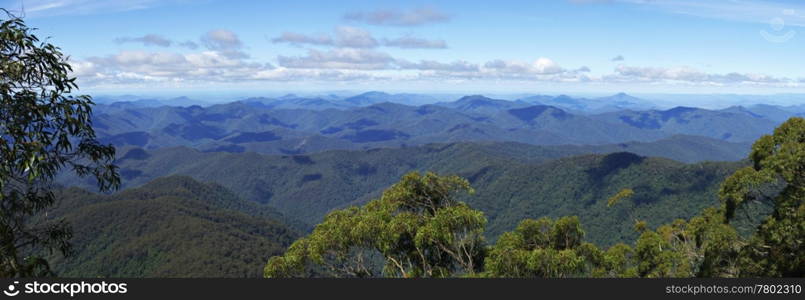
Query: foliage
column 542, row 248
column 704, row 247
column 778, row 246
column 43, row 129
column 623, row 194
column 417, row 228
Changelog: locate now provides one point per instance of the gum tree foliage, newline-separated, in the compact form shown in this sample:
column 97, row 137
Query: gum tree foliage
column 43, row 130
column 777, row 248
column 543, row 248
column 621, row 195
column 704, row 246
column 416, row 229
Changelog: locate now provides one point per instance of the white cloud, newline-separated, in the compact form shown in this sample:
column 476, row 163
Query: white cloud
column 541, row 66
column 364, row 59
column 83, row 69
column 689, row 75
column 340, row 58
column 345, row 37
column 223, row 61
column 354, row 59
column 285, row 74
column 165, row 66
column 225, row 42
column 414, row 43
column 541, row 69
column 140, row 58
column 353, row 37
column 299, row 39
column 432, row 65
column 221, row 39
column 156, row 40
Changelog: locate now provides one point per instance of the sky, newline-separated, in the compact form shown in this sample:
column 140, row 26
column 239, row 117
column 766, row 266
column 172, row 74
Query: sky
column 563, row 46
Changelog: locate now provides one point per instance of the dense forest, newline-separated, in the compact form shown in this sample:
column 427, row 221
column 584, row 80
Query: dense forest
column 171, row 227
column 514, row 181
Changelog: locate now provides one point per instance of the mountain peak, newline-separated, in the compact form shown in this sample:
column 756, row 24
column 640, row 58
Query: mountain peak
column 530, row 113
column 482, row 103
column 681, row 109
column 621, row 97
column 287, row 96
column 368, row 98
column 474, row 98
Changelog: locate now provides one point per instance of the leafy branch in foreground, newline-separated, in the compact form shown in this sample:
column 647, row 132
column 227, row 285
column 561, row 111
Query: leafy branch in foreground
column 778, row 246
column 43, row 129
column 416, row 229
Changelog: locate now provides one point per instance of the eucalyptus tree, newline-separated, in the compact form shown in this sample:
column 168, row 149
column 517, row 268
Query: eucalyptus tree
column 544, row 248
column 417, row 228
column 44, row 130
column 777, row 248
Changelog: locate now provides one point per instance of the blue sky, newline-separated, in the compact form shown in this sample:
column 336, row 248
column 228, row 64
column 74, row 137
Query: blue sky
column 568, row 46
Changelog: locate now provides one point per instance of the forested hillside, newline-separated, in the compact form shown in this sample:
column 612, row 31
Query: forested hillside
column 171, row 227
column 664, row 190
column 513, row 181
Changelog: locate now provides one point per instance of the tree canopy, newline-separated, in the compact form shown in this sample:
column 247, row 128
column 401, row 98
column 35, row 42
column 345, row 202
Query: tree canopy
column 43, row 130
column 416, row 229
column 778, row 246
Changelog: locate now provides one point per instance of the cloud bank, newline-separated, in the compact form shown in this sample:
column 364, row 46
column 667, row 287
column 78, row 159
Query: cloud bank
column 353, row 37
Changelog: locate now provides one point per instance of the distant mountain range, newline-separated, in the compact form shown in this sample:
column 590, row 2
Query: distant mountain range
column 573, row 104
column 729, row 125
column 129, row 101
column 620, row 101
column 293, row 125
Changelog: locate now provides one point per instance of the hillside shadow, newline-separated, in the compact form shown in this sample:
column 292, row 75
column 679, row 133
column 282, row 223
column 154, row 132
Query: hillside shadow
column 611, row 163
